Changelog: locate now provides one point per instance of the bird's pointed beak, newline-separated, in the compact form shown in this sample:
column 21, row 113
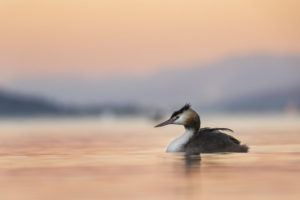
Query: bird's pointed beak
column 169, row 121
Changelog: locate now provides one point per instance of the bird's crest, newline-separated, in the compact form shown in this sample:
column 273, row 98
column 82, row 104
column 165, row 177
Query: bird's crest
column 181, row 110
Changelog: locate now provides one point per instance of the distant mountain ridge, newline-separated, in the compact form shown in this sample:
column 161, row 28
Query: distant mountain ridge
column 269, row 101
column 15, row 105
column 212, row 86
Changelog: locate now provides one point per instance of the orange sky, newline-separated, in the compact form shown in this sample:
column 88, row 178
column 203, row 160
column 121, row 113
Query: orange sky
column 90, row 37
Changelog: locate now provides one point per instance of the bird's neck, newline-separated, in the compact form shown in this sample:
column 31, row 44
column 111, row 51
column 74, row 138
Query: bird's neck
column 193, row 125
column 178, row 143
column 191, row 130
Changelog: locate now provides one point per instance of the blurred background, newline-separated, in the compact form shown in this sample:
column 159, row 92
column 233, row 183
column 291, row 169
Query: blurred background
column 90, row 57
column 83, row 82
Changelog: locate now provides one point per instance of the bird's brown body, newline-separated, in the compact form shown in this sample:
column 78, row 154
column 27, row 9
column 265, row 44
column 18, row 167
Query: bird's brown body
column 212, row 140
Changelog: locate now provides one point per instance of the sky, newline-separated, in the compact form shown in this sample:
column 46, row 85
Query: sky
column 91, row 38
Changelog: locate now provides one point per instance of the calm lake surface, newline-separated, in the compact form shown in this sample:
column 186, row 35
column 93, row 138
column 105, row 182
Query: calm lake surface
column 105, row 158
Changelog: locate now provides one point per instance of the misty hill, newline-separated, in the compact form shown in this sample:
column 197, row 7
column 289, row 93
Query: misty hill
column 12, row 104
column 208, row 86
column 284, row 100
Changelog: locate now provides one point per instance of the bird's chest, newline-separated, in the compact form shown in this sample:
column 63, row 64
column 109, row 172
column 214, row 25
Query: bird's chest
column 178, row 143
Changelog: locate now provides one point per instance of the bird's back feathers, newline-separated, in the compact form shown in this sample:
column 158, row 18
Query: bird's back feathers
column 211, row 140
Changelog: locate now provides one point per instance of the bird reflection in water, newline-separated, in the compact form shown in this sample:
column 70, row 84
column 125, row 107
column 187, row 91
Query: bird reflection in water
column 192, row 163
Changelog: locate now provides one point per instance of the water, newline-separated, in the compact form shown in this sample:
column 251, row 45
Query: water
column 125, row 159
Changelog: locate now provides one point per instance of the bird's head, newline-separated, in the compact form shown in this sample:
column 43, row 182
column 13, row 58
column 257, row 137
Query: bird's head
column 184, row 116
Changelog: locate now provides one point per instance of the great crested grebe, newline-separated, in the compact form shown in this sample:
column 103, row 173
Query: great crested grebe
column 197, row 140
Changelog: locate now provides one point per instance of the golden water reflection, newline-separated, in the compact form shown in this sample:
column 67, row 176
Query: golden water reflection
column 94, row 161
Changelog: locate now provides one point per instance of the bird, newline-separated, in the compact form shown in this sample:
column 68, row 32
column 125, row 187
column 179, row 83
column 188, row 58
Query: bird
column 196, row 140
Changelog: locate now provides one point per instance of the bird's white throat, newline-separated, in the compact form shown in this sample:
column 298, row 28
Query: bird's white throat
column 177, row 144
